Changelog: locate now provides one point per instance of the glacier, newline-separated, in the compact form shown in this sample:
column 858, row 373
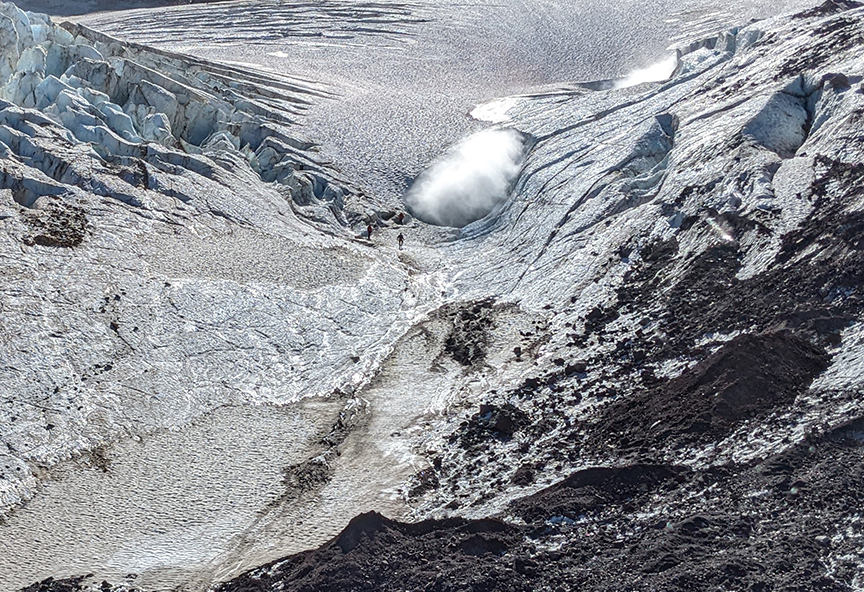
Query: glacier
column 646, row 353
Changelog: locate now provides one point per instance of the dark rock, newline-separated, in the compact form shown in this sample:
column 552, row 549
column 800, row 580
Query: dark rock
column 836, row 81
column 468, row 339
column 491, row 421
column 592, row 489
column 750, row 376
column 423, row 482
column 60, row 224
column 575, row 368
column 524, row 475
column 828, row 8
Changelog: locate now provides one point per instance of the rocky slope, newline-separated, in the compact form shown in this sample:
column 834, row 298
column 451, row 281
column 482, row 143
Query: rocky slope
column 641, row 372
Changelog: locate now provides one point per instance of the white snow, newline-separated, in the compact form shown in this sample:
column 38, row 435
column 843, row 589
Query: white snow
column 494, row 111
column 658, row 72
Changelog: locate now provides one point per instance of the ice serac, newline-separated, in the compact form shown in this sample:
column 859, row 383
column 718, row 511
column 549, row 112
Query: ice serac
column 121, row 99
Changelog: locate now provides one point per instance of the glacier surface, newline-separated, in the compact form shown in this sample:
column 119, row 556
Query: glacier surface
column 206, row 366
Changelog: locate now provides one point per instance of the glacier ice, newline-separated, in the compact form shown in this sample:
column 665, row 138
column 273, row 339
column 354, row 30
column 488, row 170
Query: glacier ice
column 213, row 269
column 118, row 97
column 91, row 127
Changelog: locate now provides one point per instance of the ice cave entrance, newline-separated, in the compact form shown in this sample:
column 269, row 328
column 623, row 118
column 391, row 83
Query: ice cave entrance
column 470, row 179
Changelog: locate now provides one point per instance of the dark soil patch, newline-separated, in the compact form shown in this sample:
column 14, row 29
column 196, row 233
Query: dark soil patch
column 52, row 585
column 58, row 225
column 816, row 294
column 468, row 339
column 313, row 473
column 592, row 490
column 306, row 476
column 828, row 8
column 422, row 482
column 99, row 458
column 749, row 377
column 655, row 258
column 78, row 584
column 776, row 526
column 830, row 40
column 524, row 475
column 491, row 422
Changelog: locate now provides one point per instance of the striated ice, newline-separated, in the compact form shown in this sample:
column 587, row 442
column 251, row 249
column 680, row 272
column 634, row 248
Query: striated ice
column 94, row 97
column 20, row 89
column 220, row 141
column 118, row 121
column 157, row 98
column 20, row 23
column 32, row 60
column 9, row 52
column 61, row 55
column 49, row 90
column 157, row 128
column 779, row 123
column 111, row 122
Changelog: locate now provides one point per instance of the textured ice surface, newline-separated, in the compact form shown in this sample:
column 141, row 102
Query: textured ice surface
column 166, row 269
column 178, row 264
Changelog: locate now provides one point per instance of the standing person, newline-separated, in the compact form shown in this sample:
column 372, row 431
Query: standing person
column 401, row 217
column 369, row 232
column 400, row 239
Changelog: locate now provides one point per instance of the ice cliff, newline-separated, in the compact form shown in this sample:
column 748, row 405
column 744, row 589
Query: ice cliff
column 641, row 371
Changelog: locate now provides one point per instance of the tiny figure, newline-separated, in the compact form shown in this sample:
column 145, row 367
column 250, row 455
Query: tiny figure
column 400, row 239
column 401, row 217
column 369, row 232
